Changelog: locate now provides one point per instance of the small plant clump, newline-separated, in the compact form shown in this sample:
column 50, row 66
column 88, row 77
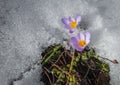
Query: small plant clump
column 85, row 68
column 80, row 65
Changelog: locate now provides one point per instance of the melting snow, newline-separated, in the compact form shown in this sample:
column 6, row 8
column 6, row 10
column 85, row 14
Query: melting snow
column 27, row 26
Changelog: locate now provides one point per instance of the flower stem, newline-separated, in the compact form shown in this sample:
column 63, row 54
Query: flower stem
column 71, row 65
column 113, row 61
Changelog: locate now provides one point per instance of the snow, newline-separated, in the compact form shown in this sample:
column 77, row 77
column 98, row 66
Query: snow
column 28, row 26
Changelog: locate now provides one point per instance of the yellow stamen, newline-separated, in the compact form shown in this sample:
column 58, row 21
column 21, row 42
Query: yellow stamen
column 82, row 43
column 73, row 25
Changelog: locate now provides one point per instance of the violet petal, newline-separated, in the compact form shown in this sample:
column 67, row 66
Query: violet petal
column 71, row 19
column 82, row 36
column 87, row 37
column 74, row 44
column 71, row 30
column 78, row 19
column 68, row 27
column 65, row 21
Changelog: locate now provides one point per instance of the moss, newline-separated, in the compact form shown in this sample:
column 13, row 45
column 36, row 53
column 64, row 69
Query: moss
column 86, row 69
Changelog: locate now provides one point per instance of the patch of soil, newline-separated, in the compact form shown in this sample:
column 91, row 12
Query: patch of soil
column 87, row 69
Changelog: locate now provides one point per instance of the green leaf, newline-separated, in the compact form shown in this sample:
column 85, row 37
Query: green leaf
column 50, row 56
column 84, row 57
column 71, row 79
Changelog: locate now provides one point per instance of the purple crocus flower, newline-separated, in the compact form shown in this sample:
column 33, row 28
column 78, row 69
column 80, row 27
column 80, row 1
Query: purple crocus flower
column 71, row 23
column 80, row 41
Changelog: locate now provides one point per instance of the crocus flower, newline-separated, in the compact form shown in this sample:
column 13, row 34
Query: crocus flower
column 71, row 23
column 80, row 41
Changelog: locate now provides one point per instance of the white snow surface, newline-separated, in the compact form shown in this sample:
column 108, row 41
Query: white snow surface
column 28, row 26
